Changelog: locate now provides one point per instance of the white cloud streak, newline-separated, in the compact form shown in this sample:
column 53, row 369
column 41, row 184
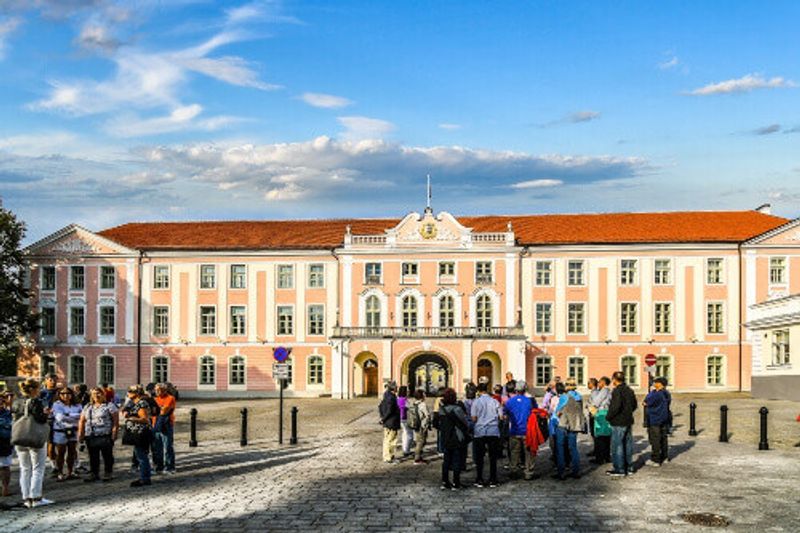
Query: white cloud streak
column 7, row 27
column 537, row 184
column 745, row 84
column 325, row 101
column 449, row 126
column 671, row 63
column 359, row 128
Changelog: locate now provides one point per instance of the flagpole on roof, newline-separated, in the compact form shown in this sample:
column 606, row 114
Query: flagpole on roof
column 428, row 206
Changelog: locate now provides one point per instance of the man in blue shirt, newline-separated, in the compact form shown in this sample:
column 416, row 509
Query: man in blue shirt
column 486, row 413
column 518, row 410
column 657, row 403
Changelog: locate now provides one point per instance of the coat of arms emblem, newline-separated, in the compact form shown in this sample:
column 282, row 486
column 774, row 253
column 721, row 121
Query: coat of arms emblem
column 428, row 230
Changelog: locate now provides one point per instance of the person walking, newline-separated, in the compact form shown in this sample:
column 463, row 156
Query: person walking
column 598, row 404
column 98, row 428
column 620, row 417
column 6, row 449
column 138, row 432
column 570, row 422
column 518, row 410
column 390, row 420
column 657, row 413
column 163, row 430
column 66, row 416
column 454, row 428
column 486, row 413
column 406, row 433
column 420, row 418
column 29, row 436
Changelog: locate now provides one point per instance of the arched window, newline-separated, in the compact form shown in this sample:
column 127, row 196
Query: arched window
column 237, row 371
column 630, row 367
column 544, row 370
column 447, row 312
column 160, row 371
column 77, row 365
column 373, row 312
column 106, row 372
column 483, row 312
column 409, row 312
column 208, row 370
column 315, row 370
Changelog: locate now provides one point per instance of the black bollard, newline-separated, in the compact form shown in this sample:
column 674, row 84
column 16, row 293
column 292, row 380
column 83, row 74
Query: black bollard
column 193, row 428
column 243, row 440
column 692, row 429
column 293, row 438
column 763, row 444
column 723, row 423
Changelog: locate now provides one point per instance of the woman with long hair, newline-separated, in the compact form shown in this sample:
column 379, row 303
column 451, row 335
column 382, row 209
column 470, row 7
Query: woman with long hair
column 30, row 440
column 98, row 429
column 66, row 415
column 454, row 428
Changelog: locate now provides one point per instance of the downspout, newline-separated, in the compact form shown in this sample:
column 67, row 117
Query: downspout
column 139, row 319
column 741, row 302
column 341, row 343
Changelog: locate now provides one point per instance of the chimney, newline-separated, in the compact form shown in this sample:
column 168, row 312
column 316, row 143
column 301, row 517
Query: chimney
column 765, row 209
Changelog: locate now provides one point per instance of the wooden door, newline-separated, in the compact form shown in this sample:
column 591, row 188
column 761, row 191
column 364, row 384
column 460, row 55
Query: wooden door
column 371, row 379
column 485, row 370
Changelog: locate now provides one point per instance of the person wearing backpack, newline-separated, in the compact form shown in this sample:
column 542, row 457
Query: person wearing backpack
column 6, row 450
column 419, row 420
column 518, row 410
column 454, row 428
column 570, row 422
column 486, row 413
column 620, row 416
column 406, row 433
column 599, row 402
column 29, row 436
column 390, row 420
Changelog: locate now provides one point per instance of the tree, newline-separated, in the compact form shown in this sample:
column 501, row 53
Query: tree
column 16, row 318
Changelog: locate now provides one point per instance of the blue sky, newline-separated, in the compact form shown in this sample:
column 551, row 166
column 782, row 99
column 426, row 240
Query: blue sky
column 120, row 111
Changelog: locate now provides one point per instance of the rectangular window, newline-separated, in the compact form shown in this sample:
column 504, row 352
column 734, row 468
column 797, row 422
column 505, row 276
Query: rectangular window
column 160, row 369
column 715, row 370
column 76, row 320
column 48, row 318
column 780, row 347
column 627, row 272
column 410, row 272
column 447, row 271
column 161, row 277
column 714, row 271
column 108, row 277
column 575, row 272
column 577, row 369
column 208, row 276
column 715, row 319
column 630, row 368
column 107, row 320
column 316, row 320
column 628, row 319
column 483, row 272
column 285, row 320
column 106, row 369
column 544, row 318
column 315, row 370
column 161, row 320
column 662, row 273
column 48, row 278
column 576, row 318
column 208, row 370
column 238, row 277
column 544, row 371
column 777, row 270
column 316, row 276
column 76, row 369
column 663, row 318
column 372, row 274
column 237, row 370
column 544, row 273
column 208, row 320
column 76, row 278
column 285, row 276
column 664, row 367
column 238, row 321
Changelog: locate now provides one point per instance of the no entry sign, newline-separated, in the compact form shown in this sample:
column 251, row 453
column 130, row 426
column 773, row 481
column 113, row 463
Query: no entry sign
column 650, row 359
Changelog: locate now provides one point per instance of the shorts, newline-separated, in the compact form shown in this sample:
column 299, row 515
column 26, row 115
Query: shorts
column 60, row 438
column 6, row 461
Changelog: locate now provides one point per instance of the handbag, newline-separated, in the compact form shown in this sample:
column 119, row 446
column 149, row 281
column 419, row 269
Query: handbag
column 139, row 435
column 27, row 432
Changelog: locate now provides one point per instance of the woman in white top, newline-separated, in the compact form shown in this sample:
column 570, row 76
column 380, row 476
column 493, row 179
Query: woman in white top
column 66, row 415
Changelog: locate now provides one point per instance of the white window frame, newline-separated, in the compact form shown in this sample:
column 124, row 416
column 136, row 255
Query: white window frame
column 321, row 383
column 155, row 277
column 786, row 273
column 244, row 277
column 278, row 320
column 480, row 278
column 200, row 277
column 308, row 320
column 100, row 287
column 455, row 310
column 100, row 366
column 237, row 386
column 585, row 367
column 74, row 337
column 409, row 279
column 367, row 280
column 550, row 272
column 69, row 281
column 153, row 367
column 415, row 315
column 55, row 321
column 638, row 368
column 230, row 321
column 582, row 331
column 106, row 337
column 774, row 345
column 671, row 318
column 721, row 271
column 492, row 310
column 153, row 324
column 671, row 374
column 723, row 371
column 724, row 311
column 536, row 317
column 636, row 269
column 536, row 362
column 41, row 279
column 321, row 276
column 70, row 374
column 382, row 309
column 447, row 279
column 670, row 272
column 582, row 271
column 291, row 268
column 213, row 384
column 637, row 321
column 200, row 321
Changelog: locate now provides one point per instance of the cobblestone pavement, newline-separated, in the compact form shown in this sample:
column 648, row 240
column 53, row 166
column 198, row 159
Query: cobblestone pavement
column 336, row 481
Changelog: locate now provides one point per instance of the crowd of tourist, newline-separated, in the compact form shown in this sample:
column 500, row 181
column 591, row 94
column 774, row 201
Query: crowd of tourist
column 54, row 425
column 508, row 422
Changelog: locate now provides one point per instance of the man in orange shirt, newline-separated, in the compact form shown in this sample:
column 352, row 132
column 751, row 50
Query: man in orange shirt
column 163, row 451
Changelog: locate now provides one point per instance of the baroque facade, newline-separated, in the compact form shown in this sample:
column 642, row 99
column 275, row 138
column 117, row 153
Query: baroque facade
column 429, row 300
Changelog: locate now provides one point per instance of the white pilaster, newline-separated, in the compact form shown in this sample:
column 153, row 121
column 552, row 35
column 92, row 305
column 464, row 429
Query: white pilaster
column 222, row 299
column 347, row 291
column 594, row 300
column 679, row 313
column 192, row 322
column 511, row 290
column 129, row 300
column 646, row 287
column 612, row 284
column 269, row 314
column 560, row 308
column 528, row 320
column 699, row 300
column 252, row 301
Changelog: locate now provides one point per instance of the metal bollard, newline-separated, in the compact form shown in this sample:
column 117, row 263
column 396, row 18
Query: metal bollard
column 293, row 438
column 692, row 430
column 723, row 423
column 243, row 440
column 193, row 428
column 763, row 444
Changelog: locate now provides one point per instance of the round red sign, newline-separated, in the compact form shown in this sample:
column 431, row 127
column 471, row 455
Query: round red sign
column 650, row 359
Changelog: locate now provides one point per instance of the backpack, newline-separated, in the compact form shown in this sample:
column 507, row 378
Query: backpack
column 544, row 422
column 412, row 417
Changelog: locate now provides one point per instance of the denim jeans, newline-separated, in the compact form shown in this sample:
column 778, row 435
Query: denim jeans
column 142, row 455
column 481, row 446
column 571, row 439
column 163, row 451
column 622, row 448
column 452, row 461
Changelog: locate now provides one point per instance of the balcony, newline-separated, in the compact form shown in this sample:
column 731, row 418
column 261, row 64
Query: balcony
column 514, row 332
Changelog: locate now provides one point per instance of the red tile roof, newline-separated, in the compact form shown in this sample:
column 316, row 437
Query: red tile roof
column 619, row 228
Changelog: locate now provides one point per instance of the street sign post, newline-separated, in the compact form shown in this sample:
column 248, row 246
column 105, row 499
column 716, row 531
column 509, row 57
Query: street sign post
column 280, row 371
column 650, row 359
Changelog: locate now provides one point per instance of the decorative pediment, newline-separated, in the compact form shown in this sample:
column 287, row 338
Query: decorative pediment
column 786, row 235
column 76, row 241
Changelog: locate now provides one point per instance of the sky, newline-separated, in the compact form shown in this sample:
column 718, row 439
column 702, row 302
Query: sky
column 113, row 112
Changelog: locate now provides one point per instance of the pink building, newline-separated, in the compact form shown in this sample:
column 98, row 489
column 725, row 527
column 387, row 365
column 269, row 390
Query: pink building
column 429, row 300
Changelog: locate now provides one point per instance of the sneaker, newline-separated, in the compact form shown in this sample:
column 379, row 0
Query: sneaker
column 653, row 463
column 420, row 462
column 493, row 484
column 42, row 502
column 479, row 483
column 614, row 473
column 456, row 486
column 631, row 471
column 446, row 485
column 140, row 483
column 28, row 503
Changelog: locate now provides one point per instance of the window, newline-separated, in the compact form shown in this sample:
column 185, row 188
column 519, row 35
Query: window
column 447, row 312
column 576, row 319
column 290, row 363
column 780, row 347
column 483, row 312
column 627, row 272
column 161, row 277
column 238, row 277
column 237, row 369
column 714, row 271
column 662, row 273
column 483, row 272
column 575, row 272
column 630, row 367
column 47, row 365
column 372, row 274
column 76, row 278
column 576, row 369
column 285, row 320
column 48, row 278
column 410, row 272
column 238, row 322
column 77, row 367
column 48, row 319
column 409, row 312
column 544, row 273
column 315, row 370
column 108, row 277
column 544, row 370
column 107, row 320
column 715, row 321
column 373, row 312
column 161, row 320
column 285, row 276
column 160, row 369
column 208, row 320
column 447, row 271
column 316, row 319
column 664, row 367
column 715, row 374
column 316, row 276
column 544, row 314
column 628, row 320
column 663, row 318
column 106, row 372
column 208, row 276
column 208, row 370
column 777, row 270
column 76, row 320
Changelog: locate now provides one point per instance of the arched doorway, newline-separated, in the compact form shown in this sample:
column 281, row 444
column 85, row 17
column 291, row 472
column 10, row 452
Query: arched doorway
column 489, row 366
column 485, row 372
column 370, row 385
column 429, row 372
column 366, row 376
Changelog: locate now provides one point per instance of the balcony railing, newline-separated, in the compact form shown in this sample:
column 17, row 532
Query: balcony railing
column 429, row 332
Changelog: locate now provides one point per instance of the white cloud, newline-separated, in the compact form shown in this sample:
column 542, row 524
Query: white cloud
column 7, row 27
column 449, row 126
column 744, row 84
column 180, row 119
column 537, row 184
column 359, row 128
column 327, row 101
column 670, row 63
column 583, row 116
column 95, row 36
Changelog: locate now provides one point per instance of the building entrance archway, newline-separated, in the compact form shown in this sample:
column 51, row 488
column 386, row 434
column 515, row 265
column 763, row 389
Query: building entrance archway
column 370, row 377
column 429, row 372
column 366, row 377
